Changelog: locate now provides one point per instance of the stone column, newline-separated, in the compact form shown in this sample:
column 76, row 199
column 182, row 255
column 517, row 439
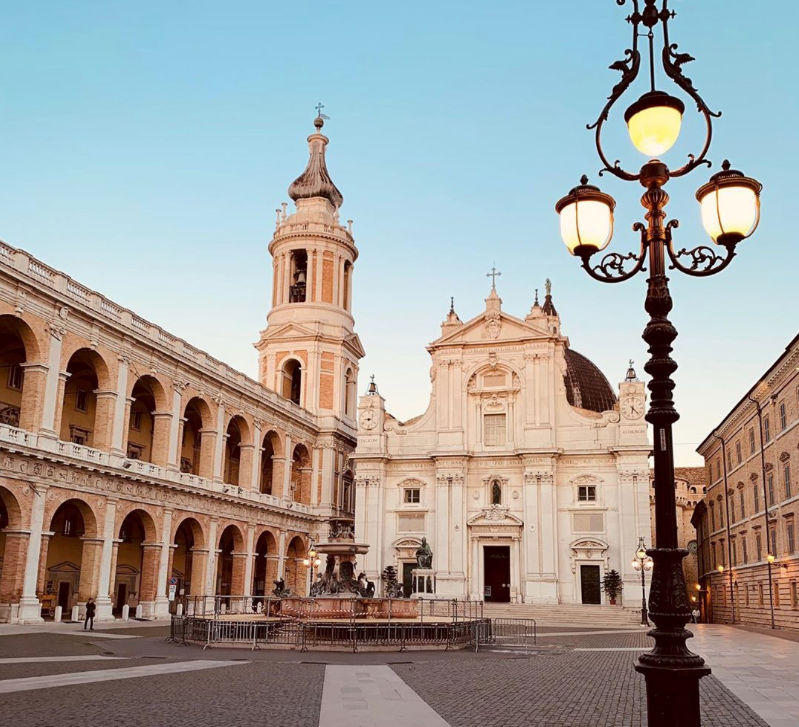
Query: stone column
column 286, row 493
column 208, row 439
column 51, row 401
column 248, row 569
column 59, row 410
column 316, row 455
column 328, row 474
column 107, row 576
column 89, row 570
column 104, row 419
column 175, row 429
column 310, row 276
column 120, row 421
column 281, row 549
column 255, row 471
column 30, row 609
column 112, row 581
column 239, row 575
column 13, row 575
column 149, row 578
column 199, row 571
column 219, row 449
column 210, row 572
column 161, row 600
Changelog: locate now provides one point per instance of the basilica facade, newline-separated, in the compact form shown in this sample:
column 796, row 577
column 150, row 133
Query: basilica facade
column 136, row 468
column 528, row 473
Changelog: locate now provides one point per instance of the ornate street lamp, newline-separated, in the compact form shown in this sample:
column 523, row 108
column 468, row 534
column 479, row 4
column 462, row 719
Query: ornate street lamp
column 643, row 563
column 311, row 561
column 730, row 209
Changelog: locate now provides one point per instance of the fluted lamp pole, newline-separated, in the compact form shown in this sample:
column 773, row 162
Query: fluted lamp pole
column 642, row 563
column 311, row 561
column 730, row 211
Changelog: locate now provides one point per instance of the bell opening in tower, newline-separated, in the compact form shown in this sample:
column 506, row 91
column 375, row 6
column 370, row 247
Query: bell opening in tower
column 299, row 275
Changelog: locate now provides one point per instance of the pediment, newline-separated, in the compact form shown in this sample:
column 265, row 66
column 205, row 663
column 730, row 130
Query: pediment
column 589, row 544
column 495, row 515
column 354, row 343
column 289, row 330
column 65, row 567
column 492, row 326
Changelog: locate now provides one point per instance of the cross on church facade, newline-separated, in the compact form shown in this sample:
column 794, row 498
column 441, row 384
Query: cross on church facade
column 493, row 275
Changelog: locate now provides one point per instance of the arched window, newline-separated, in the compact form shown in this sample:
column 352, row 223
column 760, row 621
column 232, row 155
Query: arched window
column 291, row 387
column 350, row 393
column 299, row 276
column 345, row 296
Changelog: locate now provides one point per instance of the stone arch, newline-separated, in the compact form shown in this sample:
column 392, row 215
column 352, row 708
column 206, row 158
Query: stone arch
column 266, row 559
column 272, row 464
column 237, row 466
column 21, row 387
column 230, row 565
column 148, row 421
column 137, row 562
column 292, row 373
column 187, row 556
column 296, row 572
column 198, row 435
column 72, row 557
column 87, row 401
column 301, row 474
column 12, row 548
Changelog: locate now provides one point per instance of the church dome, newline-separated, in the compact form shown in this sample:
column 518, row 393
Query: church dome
column 586, row 385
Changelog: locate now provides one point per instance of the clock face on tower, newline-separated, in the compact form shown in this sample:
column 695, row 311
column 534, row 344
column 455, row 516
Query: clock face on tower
column 368, row 419
column 632, row 407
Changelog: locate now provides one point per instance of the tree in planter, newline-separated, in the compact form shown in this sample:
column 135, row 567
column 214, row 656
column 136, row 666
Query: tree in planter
column 612, row 585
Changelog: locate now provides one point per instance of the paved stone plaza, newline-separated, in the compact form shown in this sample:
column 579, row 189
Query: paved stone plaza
column 60, row 676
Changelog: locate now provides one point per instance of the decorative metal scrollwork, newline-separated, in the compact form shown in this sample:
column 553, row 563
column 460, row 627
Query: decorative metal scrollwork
column 630, row 66
column 704, row 259
column 611, row 269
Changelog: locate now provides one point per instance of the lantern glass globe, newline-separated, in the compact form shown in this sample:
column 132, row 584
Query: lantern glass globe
column 654, row 122
column 730, row 206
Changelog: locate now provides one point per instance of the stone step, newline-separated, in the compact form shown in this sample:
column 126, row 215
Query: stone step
column 566, row 613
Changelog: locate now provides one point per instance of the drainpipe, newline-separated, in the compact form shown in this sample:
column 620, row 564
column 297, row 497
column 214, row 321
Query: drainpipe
column 727, row 511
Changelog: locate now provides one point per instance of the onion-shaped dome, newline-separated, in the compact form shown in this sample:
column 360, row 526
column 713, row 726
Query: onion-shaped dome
column 315, row 181
column 586, row 385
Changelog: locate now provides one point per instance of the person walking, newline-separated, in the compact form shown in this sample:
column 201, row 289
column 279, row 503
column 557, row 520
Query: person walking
column 90, row 609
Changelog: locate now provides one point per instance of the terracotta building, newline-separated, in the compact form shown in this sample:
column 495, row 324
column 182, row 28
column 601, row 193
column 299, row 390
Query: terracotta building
column 130, row 459
column 689, row 483
column 749, row 568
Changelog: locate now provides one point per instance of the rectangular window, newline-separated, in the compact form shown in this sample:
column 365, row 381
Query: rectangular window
column 786, row 479
column 744, row 553
column 759, row 546
column 767, row 428
column 732, row 510
column 756, row 493
column 743, row 503
column 770, row 488
column 135, row 421
column 722, row 553
column 81, row 401
column 586, row 493
column 721, row 514
column 783, row 418
column 412, row 496
column 772, row 533
column 733, row 552
column 713, row 553
column 15, row 377
column 589, row 522
column 738, row 454
column 746, row 594
column 729, row 460
column 790, row 536
column 494, row 430
column 752, row 441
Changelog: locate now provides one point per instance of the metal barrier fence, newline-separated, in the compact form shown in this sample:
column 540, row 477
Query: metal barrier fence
column 346, row 635
column 506, row 633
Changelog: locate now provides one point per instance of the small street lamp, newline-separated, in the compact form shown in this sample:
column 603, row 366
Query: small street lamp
column 643, row 563
column 311, row 561
column 730, row 211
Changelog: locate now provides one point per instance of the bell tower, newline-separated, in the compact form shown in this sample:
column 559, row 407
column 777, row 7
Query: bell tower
column 309, row 351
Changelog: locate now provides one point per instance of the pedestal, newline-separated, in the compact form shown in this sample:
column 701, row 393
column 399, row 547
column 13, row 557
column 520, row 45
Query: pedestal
column 424, row 582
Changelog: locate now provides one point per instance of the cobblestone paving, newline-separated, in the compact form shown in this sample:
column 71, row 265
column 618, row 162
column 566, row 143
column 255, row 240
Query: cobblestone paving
column 604, row 641
column 20, row 671
column 14, row 647
column 568, row 689
column 283, row 695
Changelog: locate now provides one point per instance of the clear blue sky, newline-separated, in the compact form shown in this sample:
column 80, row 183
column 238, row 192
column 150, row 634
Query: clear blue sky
column 144, row 147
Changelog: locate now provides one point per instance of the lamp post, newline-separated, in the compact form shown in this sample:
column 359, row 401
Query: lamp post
column 643, row 563
column 311, row 561
column 730, row 211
